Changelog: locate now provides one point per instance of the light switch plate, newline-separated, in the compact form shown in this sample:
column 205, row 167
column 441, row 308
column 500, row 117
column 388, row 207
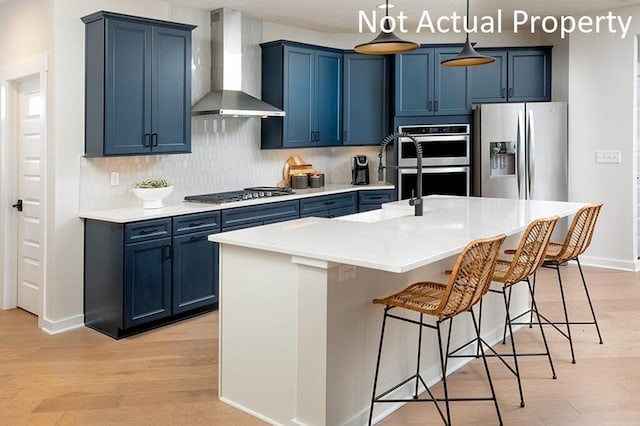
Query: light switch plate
column 611, row 157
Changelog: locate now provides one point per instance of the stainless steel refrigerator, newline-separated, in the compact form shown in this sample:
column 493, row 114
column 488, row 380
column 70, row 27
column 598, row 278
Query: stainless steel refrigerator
column 520, row 150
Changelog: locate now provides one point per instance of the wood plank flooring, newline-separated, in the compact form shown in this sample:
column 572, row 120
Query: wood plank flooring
column 169, row 376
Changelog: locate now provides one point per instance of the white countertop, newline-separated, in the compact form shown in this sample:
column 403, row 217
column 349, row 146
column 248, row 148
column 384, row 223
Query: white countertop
column 133, row 214
column 392, row 239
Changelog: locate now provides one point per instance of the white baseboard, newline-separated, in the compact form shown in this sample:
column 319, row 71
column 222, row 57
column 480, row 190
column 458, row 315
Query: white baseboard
column 601, row 262
column 56, row 327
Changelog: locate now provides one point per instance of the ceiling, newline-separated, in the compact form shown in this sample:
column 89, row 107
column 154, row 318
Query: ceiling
column 341, row 16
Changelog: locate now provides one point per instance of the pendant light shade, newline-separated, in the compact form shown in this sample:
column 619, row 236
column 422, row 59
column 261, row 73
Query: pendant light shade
column 386, row 42
column 468, row 57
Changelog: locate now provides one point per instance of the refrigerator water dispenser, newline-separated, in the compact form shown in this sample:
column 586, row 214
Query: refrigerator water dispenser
column 503, row 158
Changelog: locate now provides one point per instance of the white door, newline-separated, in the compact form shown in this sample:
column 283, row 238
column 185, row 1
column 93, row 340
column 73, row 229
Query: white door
column 30, row 191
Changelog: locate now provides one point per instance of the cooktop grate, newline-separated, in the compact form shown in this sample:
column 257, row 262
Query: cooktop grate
column 241, row 195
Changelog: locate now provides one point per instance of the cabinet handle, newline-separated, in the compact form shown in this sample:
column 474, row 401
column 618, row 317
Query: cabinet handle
column 502, row 92
column 430, row 106
column 147, row 140
column 510, row 91
column 167, row 252
column 154, row 139
column 147, row 232
column 318, row 136
column 328, row 203
column 195, row 225
column 375, row 197
column 436, row 105
column 201, row 237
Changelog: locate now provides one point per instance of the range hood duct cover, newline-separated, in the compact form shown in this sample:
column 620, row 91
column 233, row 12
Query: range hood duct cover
column 226, row 97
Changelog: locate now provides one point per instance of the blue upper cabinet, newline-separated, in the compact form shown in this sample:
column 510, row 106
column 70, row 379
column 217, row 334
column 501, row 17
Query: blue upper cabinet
column 424, row 87
column 365, row 99
column 517, row 75
column 488, row 83
column 529, row 75
column 305, row 82
column 137, row 85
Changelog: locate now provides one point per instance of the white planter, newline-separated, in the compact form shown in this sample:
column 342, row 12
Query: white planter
column 152, row 197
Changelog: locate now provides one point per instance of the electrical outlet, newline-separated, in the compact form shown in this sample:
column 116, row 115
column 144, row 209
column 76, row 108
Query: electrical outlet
column 115, row 178
column 611, row 157
column 346, row 272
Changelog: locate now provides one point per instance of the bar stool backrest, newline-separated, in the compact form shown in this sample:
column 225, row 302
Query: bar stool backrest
column 471, row 276
column 530, row 252
column 580, row 233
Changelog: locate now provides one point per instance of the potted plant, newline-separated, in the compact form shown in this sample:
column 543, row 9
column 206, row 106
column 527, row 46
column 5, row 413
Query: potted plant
column 152, row 191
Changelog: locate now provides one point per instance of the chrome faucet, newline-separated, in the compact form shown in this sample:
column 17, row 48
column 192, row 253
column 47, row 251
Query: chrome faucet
column 415, row 202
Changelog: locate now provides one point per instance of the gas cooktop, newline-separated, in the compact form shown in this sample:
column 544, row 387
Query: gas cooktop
column 245, row 194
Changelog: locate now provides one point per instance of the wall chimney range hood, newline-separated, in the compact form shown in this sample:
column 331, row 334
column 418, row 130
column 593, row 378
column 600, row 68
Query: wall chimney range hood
column 226, row 97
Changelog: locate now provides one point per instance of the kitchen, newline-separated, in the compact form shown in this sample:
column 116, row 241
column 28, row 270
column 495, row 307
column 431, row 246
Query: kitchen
column 603, row 97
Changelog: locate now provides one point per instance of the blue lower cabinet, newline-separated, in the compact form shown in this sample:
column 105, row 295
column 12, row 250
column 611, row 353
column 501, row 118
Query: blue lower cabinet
column 373, row 199
column 147, row 281
column 329, row 205
column 195, row 272
column 247, row 217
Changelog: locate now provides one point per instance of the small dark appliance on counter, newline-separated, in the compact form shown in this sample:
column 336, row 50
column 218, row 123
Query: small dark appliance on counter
column 360, row 170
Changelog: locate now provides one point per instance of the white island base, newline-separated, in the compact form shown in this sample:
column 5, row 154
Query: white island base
column 298, row 332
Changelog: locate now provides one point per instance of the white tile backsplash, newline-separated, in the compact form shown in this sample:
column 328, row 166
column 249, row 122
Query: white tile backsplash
column 225, row 156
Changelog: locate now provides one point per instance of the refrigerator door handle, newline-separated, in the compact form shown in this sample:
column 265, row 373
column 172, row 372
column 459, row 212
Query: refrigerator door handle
column 520, row 170
column 531, row 161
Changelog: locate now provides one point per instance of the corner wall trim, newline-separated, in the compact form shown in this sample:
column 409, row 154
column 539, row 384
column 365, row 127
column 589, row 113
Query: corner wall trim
column 57, row 327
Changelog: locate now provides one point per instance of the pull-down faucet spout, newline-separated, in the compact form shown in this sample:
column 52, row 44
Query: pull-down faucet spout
column 415, row 202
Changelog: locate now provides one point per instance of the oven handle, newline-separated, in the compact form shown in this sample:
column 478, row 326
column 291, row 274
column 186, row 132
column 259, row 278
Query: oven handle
column 432, row 170
column 432, row 138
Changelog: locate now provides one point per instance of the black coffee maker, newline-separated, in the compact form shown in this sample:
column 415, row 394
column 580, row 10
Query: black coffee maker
column 360, row 170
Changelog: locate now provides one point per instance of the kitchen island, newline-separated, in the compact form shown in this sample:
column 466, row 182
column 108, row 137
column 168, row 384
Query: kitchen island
column 298, row 331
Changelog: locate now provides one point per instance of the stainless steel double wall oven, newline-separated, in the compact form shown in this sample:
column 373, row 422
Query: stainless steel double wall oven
column 446, row 160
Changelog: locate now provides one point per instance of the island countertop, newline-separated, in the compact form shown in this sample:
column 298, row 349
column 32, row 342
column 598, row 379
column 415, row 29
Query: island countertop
column 393, row 239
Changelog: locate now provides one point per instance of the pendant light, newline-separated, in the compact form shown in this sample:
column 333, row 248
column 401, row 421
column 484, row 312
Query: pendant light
column 468, row 57
column 386, row 42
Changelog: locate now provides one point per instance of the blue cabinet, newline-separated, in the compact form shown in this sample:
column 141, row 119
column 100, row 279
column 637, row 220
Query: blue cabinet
column 137, row 85
column 365, row 99
column 329, row 205
column 373, row 199
column 195, row 262
column 262, row 214
column 423, row 87
column 305, row 82
column 517, row 75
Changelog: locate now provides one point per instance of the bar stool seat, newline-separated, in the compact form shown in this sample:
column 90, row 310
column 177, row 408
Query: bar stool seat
column 469, row 281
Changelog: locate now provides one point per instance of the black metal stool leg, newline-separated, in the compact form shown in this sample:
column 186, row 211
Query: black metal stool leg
column 513, row 348
column 533, row 292
column 486, row 367
column 566, row 315
column 544, row 338
column 443, row 366
column 415, row 394
column 593, row 313
column 375, row 378
column 506, row 317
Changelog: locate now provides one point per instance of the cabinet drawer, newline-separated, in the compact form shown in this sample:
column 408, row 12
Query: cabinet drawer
column 343, row 211
column 196, row 222
column 376, row 197
column 147, row 230
column 243, row 217
column 308, row 206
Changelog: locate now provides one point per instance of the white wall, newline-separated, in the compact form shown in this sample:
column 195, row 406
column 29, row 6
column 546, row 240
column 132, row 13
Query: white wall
column 602, row 92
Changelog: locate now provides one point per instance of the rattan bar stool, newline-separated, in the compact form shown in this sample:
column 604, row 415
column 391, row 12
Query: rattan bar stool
column 525, row 261
column 575, row 243
column 467, row 284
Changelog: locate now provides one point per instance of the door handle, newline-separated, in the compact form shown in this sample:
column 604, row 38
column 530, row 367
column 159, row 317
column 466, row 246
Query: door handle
column 17, row 205
column 531, row 161
column 511, row 92
column 436, row 106
column 154, row 139
column 147, row 139
column 502, row 92
column 167, row 252
column 430, row 106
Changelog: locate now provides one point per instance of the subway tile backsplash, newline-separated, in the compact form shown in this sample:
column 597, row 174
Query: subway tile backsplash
column 225, row 156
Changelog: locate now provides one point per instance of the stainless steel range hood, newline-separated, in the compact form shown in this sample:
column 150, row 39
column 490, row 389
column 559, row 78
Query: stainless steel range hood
column 226, row 97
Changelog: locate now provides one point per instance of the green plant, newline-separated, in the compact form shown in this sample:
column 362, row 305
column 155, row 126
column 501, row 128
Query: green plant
column 152, row 183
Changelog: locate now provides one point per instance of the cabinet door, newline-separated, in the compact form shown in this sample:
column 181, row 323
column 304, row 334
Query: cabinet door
column 328, row 99
column 128, row 82
column 171, row 81
column 414, row 83
column 299, row 77
column 529, row 75
column 365, row 100
column 488, row 83
column 147, row 283
column 450, row 85
column 195, row 272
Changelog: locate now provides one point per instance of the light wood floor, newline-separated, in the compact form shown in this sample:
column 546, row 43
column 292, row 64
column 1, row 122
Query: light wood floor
column 169, row 376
